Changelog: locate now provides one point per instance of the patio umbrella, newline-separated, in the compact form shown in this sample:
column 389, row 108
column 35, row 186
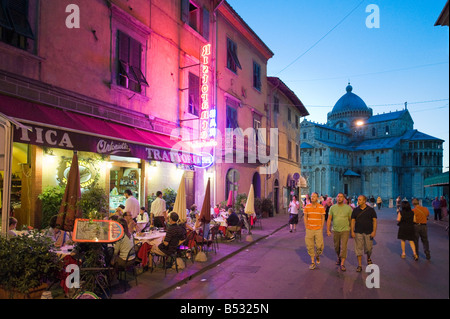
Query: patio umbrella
column 230, row 199
column 70, row 210
column 250, row 210
column 205, row 214
column 180, row 201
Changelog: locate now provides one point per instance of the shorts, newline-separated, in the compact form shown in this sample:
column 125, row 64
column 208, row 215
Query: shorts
column 363, row 244
column 293, row 219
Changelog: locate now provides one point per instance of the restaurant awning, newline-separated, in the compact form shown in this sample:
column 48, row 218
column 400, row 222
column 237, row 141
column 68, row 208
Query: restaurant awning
column 438, row 180
column 53, row 127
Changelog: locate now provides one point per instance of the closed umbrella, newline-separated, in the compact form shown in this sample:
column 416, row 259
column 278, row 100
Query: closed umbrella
column 250, row 210
column 70, row 210
column 230, row 199
column 205, row 214
column 180, row 201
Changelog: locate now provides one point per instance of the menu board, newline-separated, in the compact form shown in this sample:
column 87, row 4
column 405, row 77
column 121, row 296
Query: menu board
column 97, row 231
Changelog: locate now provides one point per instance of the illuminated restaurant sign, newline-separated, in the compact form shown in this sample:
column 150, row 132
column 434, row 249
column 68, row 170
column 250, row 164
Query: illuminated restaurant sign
column 57, row 138
column 208, row 122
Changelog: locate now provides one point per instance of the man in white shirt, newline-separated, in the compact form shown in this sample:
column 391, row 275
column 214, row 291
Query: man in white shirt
column 131, row 204
column 158, row 213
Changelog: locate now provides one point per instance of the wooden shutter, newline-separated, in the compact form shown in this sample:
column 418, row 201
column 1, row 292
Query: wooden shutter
column 185, row 10
column 205, row 28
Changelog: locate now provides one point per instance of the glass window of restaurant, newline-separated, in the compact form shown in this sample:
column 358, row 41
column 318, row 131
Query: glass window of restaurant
column 124, row 173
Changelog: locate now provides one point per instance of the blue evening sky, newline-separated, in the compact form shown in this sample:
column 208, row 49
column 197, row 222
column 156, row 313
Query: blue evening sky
column 406, row 59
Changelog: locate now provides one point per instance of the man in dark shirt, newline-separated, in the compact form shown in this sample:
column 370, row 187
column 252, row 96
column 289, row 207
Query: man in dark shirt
column 363, row 228
column 232, row 224
column 175, row 235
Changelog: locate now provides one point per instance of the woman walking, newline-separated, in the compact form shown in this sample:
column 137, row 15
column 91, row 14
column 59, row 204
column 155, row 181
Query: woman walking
column 294, row 207
column 405, row 218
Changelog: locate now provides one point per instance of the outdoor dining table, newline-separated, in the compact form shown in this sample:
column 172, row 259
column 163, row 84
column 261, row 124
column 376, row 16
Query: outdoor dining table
column 154, row 237
column 140, row 225
column 223, row 224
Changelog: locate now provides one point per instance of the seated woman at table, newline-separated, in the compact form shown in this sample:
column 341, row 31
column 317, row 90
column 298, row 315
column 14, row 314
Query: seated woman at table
column 123, row 247
column 59, row 237
column 216, row 211
column 131, row 223
column 12, row 227
column 119, row 211
column 193, row 214
column 142, row 219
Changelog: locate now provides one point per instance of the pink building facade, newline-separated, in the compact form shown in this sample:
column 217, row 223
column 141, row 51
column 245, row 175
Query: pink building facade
column 125, row 83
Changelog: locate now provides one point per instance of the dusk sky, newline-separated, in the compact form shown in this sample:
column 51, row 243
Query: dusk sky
column 320, row 46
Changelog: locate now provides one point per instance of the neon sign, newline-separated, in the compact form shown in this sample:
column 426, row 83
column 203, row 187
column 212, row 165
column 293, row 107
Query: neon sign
column 208, row 123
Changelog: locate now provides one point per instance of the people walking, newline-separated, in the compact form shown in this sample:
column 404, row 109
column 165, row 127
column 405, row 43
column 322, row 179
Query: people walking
column 379, row 202
column 420, row 227
column 398, row 202
column 405, row 218
column 314, row 219
column 437, row 208
column 294, row 207
column 340, row 215
column 372, row 201
column 363, row 229
column 443, row 203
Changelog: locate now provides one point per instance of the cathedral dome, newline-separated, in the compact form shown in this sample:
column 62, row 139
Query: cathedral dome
column 349, row 107
column 349, row 102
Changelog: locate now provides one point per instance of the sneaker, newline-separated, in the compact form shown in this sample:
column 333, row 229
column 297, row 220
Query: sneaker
column 358, row 269
column 343, row 268
column 428, row 256
column 290, row 231
column 312, row 266
column 318, row 259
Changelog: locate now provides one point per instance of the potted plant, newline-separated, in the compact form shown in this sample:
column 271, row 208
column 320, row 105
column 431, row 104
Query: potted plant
column 267, row 208
column 51, row 199
column 27, row 265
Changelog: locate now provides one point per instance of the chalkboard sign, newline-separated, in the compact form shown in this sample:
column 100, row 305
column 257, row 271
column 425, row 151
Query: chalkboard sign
column 97, row 231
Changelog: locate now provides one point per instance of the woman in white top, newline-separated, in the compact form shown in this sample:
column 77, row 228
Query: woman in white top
column 294, row 207
column 123, row 247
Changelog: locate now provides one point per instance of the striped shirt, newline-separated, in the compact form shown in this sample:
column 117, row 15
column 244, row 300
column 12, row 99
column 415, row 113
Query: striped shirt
column 314, row 216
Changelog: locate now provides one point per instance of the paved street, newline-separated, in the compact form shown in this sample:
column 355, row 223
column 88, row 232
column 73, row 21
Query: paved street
column 276, row 267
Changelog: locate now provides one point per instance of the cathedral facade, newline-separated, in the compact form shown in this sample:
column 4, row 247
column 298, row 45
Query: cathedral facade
column 357, row 152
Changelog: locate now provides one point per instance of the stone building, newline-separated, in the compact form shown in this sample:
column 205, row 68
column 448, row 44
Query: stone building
column 357, row 152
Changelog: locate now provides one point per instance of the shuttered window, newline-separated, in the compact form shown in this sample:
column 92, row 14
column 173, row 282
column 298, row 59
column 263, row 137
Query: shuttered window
column 130, row 71
column 15, row 28
column 232, row 57
column 196, row 17
column 194, row 94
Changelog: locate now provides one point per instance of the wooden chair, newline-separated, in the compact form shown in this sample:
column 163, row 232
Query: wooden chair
column 130, row 265
column 214, row 242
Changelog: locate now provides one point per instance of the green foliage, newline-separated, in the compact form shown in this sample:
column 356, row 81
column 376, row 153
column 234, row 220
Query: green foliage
column 241, row 200
column 169, row 195
column 26, row 261
column 51, row 199
column 93, row 202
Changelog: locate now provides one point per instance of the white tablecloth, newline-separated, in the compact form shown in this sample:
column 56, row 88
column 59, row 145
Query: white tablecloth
column 152, row 238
